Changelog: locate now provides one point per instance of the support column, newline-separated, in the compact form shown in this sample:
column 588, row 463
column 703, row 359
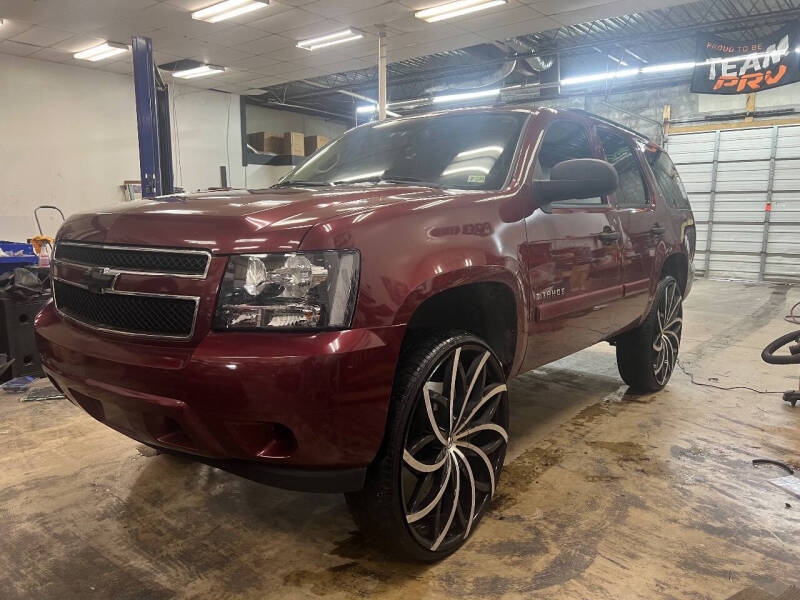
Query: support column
column 768, row 207
column 382, row 76
column 711, row 198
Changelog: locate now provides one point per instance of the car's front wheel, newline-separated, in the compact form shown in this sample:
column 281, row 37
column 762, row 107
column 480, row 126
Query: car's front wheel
column 444, row 447
column 647, row 355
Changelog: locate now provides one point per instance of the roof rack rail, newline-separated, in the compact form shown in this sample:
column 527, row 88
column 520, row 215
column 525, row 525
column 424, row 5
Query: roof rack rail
column 612, row 122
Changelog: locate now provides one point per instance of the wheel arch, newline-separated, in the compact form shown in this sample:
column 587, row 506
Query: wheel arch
column 488, row 303
column 677, row 265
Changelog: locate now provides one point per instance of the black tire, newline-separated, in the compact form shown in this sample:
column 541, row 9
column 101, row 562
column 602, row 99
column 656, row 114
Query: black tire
column 388, row 509
column 646, row 356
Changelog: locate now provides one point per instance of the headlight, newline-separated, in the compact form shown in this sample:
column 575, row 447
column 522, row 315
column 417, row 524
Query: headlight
column 297, row 290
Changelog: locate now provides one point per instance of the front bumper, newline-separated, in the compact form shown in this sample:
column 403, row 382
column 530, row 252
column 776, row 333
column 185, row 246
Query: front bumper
column 297, row 410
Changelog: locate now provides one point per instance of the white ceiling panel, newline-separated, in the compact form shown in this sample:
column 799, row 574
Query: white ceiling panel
column 79, row 42
column 286, row 20
column 264, row 45
column 500, row 18
column 263, row 65
column 190, row 5
column 184, row 47
column 375, row 16
column 235, row 35
column 312, row 30
column 42, row 36
column 523, row 28
column 37, row 11
column 122, row 31
column 9, row 47
column 13, row 28
column 424, row 36
column 52, row 54
column 233, row 75
column 335, row 8
column 591, row 13
column 220, row 55
column 551, row 7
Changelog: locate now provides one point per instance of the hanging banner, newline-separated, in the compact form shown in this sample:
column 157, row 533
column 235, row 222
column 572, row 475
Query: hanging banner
column 727, row 67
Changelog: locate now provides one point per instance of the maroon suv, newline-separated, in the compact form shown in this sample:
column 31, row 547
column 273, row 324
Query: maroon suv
column 353, row 328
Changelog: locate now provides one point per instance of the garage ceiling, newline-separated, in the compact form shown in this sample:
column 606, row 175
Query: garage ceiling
column 259, row 48
column 639, row 37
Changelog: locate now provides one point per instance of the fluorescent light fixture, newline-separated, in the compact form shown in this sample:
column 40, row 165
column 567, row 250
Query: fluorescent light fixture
column 466, row 96
column 455, row 9
column 600, row 76
column 363, row 175
column 332, row 39
column 227, row 10
column 498, row 150
column 668, row 67
column 371, row 108
column 200, row 71
column 101, row 51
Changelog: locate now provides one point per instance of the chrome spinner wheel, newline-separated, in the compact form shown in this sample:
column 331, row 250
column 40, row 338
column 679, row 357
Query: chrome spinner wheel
column 454, row 447
column 668, row 335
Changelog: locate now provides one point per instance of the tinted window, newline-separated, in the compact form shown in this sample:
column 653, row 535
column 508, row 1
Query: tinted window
column 471, row 151
column 667, row 178
column 631, row 191
column 564, row 140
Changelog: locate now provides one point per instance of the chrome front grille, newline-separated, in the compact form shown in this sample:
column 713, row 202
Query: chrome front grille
column 127, row 313
column 85, row 288
column 130, row 259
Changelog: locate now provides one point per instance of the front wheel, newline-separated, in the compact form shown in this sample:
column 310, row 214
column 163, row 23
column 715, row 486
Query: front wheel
column 646, row 356
column 443, row 451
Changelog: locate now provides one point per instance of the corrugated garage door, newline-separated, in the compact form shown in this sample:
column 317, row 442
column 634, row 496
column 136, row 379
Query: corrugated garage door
column 731, row 177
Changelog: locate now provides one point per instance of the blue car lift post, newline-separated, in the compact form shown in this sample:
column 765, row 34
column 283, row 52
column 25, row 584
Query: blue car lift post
column 152, row 121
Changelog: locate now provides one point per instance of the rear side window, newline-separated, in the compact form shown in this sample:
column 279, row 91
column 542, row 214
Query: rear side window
column 631, row 191
column 564, row 140
column 667, row 178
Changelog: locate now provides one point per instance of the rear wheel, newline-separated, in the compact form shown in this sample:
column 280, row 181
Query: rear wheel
column 444, row 448
column 646, row 356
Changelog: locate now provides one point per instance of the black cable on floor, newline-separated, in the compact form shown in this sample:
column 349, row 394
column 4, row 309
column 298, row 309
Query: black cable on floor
column 722, row 387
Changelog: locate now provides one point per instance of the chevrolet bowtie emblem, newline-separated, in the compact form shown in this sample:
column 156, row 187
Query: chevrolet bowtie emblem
column 99, row 280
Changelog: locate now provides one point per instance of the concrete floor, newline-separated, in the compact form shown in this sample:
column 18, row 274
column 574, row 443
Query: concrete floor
column 604, row 494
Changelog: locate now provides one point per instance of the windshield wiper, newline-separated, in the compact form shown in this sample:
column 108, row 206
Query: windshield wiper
column 388, row 179
column 302, row 184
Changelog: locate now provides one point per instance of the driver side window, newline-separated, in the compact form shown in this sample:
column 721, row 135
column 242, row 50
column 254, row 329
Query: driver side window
column 564, row 140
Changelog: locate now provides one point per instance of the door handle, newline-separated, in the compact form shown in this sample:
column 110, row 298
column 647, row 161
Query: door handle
column 657, row 230
column 609, row 236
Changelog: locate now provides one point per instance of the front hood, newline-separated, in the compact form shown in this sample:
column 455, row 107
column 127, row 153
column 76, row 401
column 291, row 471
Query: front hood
column 233, row 220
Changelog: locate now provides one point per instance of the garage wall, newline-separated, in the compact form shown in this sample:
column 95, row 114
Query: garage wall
column 68, row 137
column 732, row 177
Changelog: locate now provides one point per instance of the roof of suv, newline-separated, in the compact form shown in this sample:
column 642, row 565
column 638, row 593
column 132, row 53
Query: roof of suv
column 532, row 109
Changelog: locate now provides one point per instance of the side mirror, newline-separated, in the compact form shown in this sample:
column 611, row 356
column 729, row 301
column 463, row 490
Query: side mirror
column 575, row 179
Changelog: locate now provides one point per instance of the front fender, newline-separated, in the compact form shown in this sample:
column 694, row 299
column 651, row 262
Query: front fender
column 509, row 275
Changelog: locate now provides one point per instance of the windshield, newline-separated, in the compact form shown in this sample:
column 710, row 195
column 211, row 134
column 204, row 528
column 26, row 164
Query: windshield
column 468, row 150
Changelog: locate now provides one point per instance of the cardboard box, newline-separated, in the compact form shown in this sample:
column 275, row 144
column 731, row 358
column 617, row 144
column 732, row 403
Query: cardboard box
column 266, row 142
column 314, row 143
column 294, row 143
column 291, row 143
